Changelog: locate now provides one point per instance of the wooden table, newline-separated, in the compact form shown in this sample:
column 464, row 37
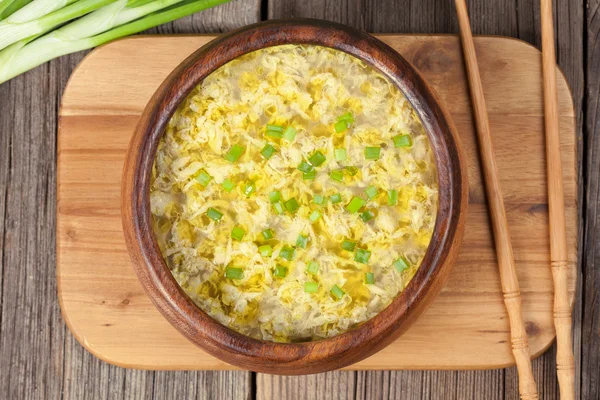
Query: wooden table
column 40, row 359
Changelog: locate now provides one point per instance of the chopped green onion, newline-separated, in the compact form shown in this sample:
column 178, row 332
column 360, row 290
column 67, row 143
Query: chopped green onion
column 234, row 153
column 249, row 188
column 266, row 250
column 362, row 256
column 401, row 264
column 348, row 245
column 292, row 205
column 280, row 271
column 275, row 196
column 309, row 176
column 317, row 158
column 355, row 204
column 274, row 134
column 314, row 216
column 234, row 273
column 302, row 241
column 311, row 287
column 371, row 192
column 341, row 126
column 238, row 233
column 305, row 167
column 369, row 278
column 337, row 175
column 335, row 198
column 268, row 151
column 352, row 170
column 213, row 214
column 228, row 185
column 287, row 252
column 203, row 178
column 278, row 207
column 367, row 215
column 312, row 268
column 289, row 134
column 319, row 199
column 392, row 197
column 372, row 153
column 267, row 234
column 348, row 117
column 274, row 128
column 340, row 154
column 402, row 141
column 337, row 292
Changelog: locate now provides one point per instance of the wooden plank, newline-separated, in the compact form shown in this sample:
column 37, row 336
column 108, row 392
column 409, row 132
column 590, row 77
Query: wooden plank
column 38, row 357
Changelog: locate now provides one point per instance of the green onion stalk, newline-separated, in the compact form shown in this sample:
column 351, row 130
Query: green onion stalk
column 9, row 7
column 112, row 21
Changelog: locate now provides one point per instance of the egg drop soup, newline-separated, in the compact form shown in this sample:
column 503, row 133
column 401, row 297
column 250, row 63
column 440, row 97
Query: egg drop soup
column 294, row 193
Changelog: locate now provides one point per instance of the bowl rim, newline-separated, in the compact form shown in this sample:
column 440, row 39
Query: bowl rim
column 350, row 346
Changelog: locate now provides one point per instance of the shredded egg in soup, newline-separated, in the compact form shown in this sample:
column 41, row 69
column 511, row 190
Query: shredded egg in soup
column 294, row 193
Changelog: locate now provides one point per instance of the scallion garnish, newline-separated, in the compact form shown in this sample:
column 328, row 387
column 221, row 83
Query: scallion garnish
column 336, row 198
column 214, row 214
column 337, row 292
column 268, row 151
column 238, row 233
column 302, row 241
column 275, row 196
column 337, row 175
column 228, row 185
column 289, row 133
column 278, row 207
column 267, row 234
column 319, row 199
column 402, row 141
column 372, row 153
column 312, row 268
column 314, row 216
column 392, row 197
column 348, row 117
column 352, row 170
column 348, row 245
column 401, row 264
column 287, row 252
column 362, row 256
column 203, row 178
column 265, row 250
column 274, row 134
column 317, row 158
column 369, row 278
column 274, row 128
column 292, row 205
column 234, row 273
column 309, row 176
column 234, row 153
column 367, row 215
column 249, row 188
column 371, row 192
column 305, row 167
column 341, row 126
column 355, row 204
column 311, row 287
column 340, row 154
column 280, row 271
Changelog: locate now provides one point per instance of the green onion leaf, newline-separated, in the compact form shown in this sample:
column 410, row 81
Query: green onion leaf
column 340, row 154
column 352, row 170
column 305, row 167
column 266, row 250
column 355, row 204
column 234, row 273
column 402, row 141
column 312, row 268
column 362, row 256
column 287, row 252
column 238, row 233
column 228, row 185
column 249, row 188
column 267, row 234
column 214, row 214
column 203, row 178
column 336, row 198
column 302, row 241
column 337, row 175
column 289, row 134
column 311, row 287
column 369, row 278
column 392, row 197
column 348, row 245
column 292, row 205
column 278, row 207
column 280, row 271
column 401, row 264
column 268, row 151
column 234, row 153
column 309, row 176
column 367, row 215
column 317, row 158
column 348, row 117
column 314, row 216
column 341, row 126
column 274, row 134
column 372, row 153
column 319, row 199
column 371, row 192
column 337, row 292
column 274, row 128
column 275, row 196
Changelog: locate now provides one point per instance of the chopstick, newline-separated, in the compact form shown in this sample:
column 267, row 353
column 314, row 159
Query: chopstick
column 504, row 252
column 565, row 366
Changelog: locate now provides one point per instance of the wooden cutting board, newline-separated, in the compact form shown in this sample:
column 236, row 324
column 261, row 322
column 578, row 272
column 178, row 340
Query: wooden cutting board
column 465, row 328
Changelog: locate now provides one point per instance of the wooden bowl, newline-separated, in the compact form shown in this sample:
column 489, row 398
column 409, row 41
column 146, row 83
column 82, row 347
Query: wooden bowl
column 372, row 335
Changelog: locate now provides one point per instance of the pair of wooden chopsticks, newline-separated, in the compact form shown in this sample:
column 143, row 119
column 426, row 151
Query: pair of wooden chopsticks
column 558, row 242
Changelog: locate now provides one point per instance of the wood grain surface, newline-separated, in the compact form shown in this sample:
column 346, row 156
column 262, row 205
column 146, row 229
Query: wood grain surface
column 40, row 359
column 102, row 105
